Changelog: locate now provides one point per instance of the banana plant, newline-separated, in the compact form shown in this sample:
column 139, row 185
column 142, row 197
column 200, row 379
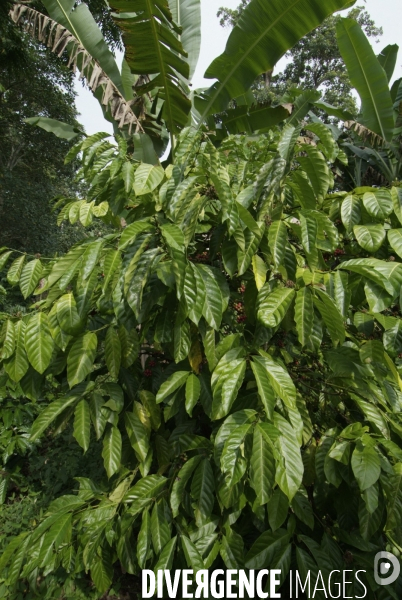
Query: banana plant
column 162, row 44
column 378, row 128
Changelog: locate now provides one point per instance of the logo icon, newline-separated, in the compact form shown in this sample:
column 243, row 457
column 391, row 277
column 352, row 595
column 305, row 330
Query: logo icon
column 386, row 568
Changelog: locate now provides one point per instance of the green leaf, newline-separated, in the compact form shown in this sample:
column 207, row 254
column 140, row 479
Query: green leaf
column 233, row 463
column 289, row 470
column 370, row 237
column 18, row 364
column 302, row 508
column 144, row 539
column 39, row 342
column 7, row 338
column 152, row 47
column 113, row 352
column 387, row 59
column 58, row 128
column 127, row 173
column 187, row 14
column 226, row 390
column 193, row 557
column 4, row 258
column 272, row 306
column 378, row 203
column 278, row 508
column 392, row 485
column 15, row 270
column 350, row 212
column 138, row 431
column 265, row 548
column 203, row 491
column 147, row 487
column 265, row 389
column 81, row 358
column 304, row 315
column 82, row 424
column 331, row 316
column 102, row 572
column 183, row 476
column 173, row 383
column 30, row 277
column 366, row 466
column 262, row 466
column 67, row 314
column 214, row 303
column 368, row 77
column 111, row 453
column 277, row 239
column 193, row 391
column 147, row 178
column 98, row 416
column 259, row 270
column 53, row 410
column 395, row 240
column 166, row 557
column 160, row 530
column 279, row 378
column 255, row 45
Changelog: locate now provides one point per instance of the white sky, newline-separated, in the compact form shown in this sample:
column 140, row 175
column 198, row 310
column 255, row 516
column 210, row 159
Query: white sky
column 386, row 13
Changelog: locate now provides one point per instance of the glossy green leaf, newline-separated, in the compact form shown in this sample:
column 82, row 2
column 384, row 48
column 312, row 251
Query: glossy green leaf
column 369, row 237
column 82, row 424
column 15, row 270
column 279, row 378
column 30, row 277
column 81, row 358
column 350, row 212
column 174, row 382
column 39, row 342
column 304, row 315
column 193, row 391
column 18, row 364
column 113, row 352
column 366, row 466
column 111, row 453
column 262, row 466
column 272, row 306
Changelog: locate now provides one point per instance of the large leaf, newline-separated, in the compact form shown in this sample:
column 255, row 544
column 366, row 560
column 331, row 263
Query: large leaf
column 262, row 472
column 39, row 342
column 111, row 452
column 279, row 378
column 153, row 48
column 187, row 14
column 387, row 59
column 368, row 77
column 262, row 35
column 272, row 306
column 304, row 315
column 81, row 358
column 370, row 237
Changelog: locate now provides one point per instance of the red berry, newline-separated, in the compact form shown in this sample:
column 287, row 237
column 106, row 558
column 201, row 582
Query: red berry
column 148, row 373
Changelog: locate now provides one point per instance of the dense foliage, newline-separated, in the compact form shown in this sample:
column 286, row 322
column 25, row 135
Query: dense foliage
column 228, row 354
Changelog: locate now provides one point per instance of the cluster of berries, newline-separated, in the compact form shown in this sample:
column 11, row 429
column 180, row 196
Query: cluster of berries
column 148, row 372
